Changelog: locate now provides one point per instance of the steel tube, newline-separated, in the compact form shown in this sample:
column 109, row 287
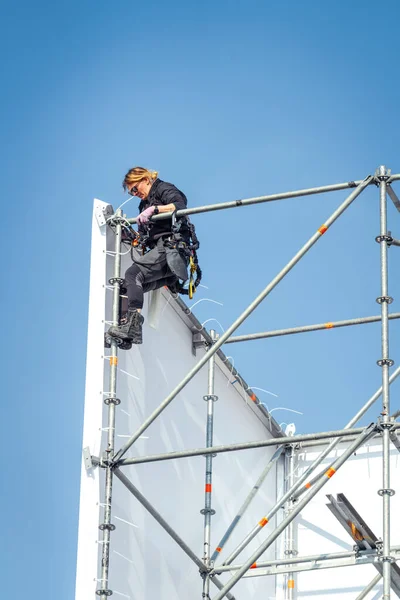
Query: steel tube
column 290, row 546
column 326, row 564
column 287, row 562
column 243, row 446
column 306, row 328
column 384, row 363
column 303, row 479
column 246, row 504
column 161, row 521
column 261, row 199
column 369, row 587
column 367, row 433
column 314, row 238
column 106, row 525
column 210, row 398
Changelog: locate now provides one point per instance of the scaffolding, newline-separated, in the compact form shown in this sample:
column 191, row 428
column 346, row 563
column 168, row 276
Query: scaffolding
column 300, row 490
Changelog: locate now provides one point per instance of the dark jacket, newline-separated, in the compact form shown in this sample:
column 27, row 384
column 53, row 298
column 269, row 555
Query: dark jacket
column 162, row 192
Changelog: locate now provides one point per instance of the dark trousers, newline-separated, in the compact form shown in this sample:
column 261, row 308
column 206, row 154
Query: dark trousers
column 151, row 274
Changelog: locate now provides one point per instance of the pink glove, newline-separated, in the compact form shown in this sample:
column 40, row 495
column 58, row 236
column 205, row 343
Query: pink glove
column 145, row 215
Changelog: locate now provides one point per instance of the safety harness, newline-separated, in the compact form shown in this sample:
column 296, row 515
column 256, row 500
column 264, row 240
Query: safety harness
column 186, row 243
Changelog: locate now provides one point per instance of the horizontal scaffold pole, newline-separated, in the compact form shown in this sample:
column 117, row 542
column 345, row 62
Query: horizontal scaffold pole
column 306, row 328
column 245, row 445
column 272, row 285
column 336, row 187
column 313, row 558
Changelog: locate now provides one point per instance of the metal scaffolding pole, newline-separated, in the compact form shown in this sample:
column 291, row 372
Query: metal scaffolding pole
column 306, row 328
column 369, row 587
column 303, row 479
column 313, row 558
column 246, row 503
column 111, row 400
column 171, row 532
column 314, row 238
column 385, row 362
column 207, row 511
column 290, row 549
column 367, row 433
column 261, row 199
column 340, row 433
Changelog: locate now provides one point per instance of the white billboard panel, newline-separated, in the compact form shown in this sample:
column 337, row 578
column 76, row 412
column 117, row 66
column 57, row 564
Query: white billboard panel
column 145, row 563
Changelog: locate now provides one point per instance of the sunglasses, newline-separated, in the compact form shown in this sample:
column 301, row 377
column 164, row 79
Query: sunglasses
column 133, row 191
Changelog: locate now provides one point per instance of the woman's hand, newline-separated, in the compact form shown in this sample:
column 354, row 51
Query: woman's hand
column 144, row 216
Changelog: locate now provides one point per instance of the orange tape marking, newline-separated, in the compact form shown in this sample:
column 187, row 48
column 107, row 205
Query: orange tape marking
column 253, row 566
column 263, row 522
column 307, row 486
column 328, row 325
column 219, row 549
column 330, row 472
column 253, row 397
column 114, row 360
column 322, row 229
column 290, row 584
column 208, row 487
column 356, row 533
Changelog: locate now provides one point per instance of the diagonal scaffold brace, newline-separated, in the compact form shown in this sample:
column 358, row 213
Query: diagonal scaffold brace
column 335, row 466
column 307, row 246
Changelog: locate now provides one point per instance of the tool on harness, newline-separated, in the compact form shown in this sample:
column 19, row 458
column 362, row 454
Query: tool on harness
column 181, row 245
column 187, row 243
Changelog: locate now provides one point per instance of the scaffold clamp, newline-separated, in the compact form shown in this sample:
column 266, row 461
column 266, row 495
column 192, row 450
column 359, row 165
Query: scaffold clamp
column 382, row 299
column 111, row 400
column 207, row 511
column 106, row 526
column 208, row 397
column 384, row 238
column 386, row 491
column 385, row 361
column 114, row 280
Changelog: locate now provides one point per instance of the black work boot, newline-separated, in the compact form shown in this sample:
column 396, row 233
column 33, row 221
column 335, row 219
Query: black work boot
column 130, row 330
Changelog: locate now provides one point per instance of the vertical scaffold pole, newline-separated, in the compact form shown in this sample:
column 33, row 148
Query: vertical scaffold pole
column 290, row 550
column 112, row 401
column 207, row 511
column 385, row 362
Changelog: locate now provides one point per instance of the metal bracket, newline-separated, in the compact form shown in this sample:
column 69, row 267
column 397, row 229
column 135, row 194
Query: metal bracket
column 382, row 174
column 210, row 397
column 384, row 238
column 103, row 213
column 198, row 341
column 115, row 401
column 389, row 559
column 386, row 491
column 119, row 280
column 87, row 458
column 385, row 361
column 210, row 511
column 108, row 526
column 382, row 299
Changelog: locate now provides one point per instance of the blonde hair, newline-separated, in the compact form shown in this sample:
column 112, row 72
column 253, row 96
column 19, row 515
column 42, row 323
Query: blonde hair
column 138, row 174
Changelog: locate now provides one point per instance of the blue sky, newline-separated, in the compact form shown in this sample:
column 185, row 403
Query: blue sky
column 227, row 100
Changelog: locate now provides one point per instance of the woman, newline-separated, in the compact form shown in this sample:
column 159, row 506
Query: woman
column 151, row 271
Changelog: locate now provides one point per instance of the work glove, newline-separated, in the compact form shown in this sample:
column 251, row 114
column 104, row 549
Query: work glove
column 144, row 216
